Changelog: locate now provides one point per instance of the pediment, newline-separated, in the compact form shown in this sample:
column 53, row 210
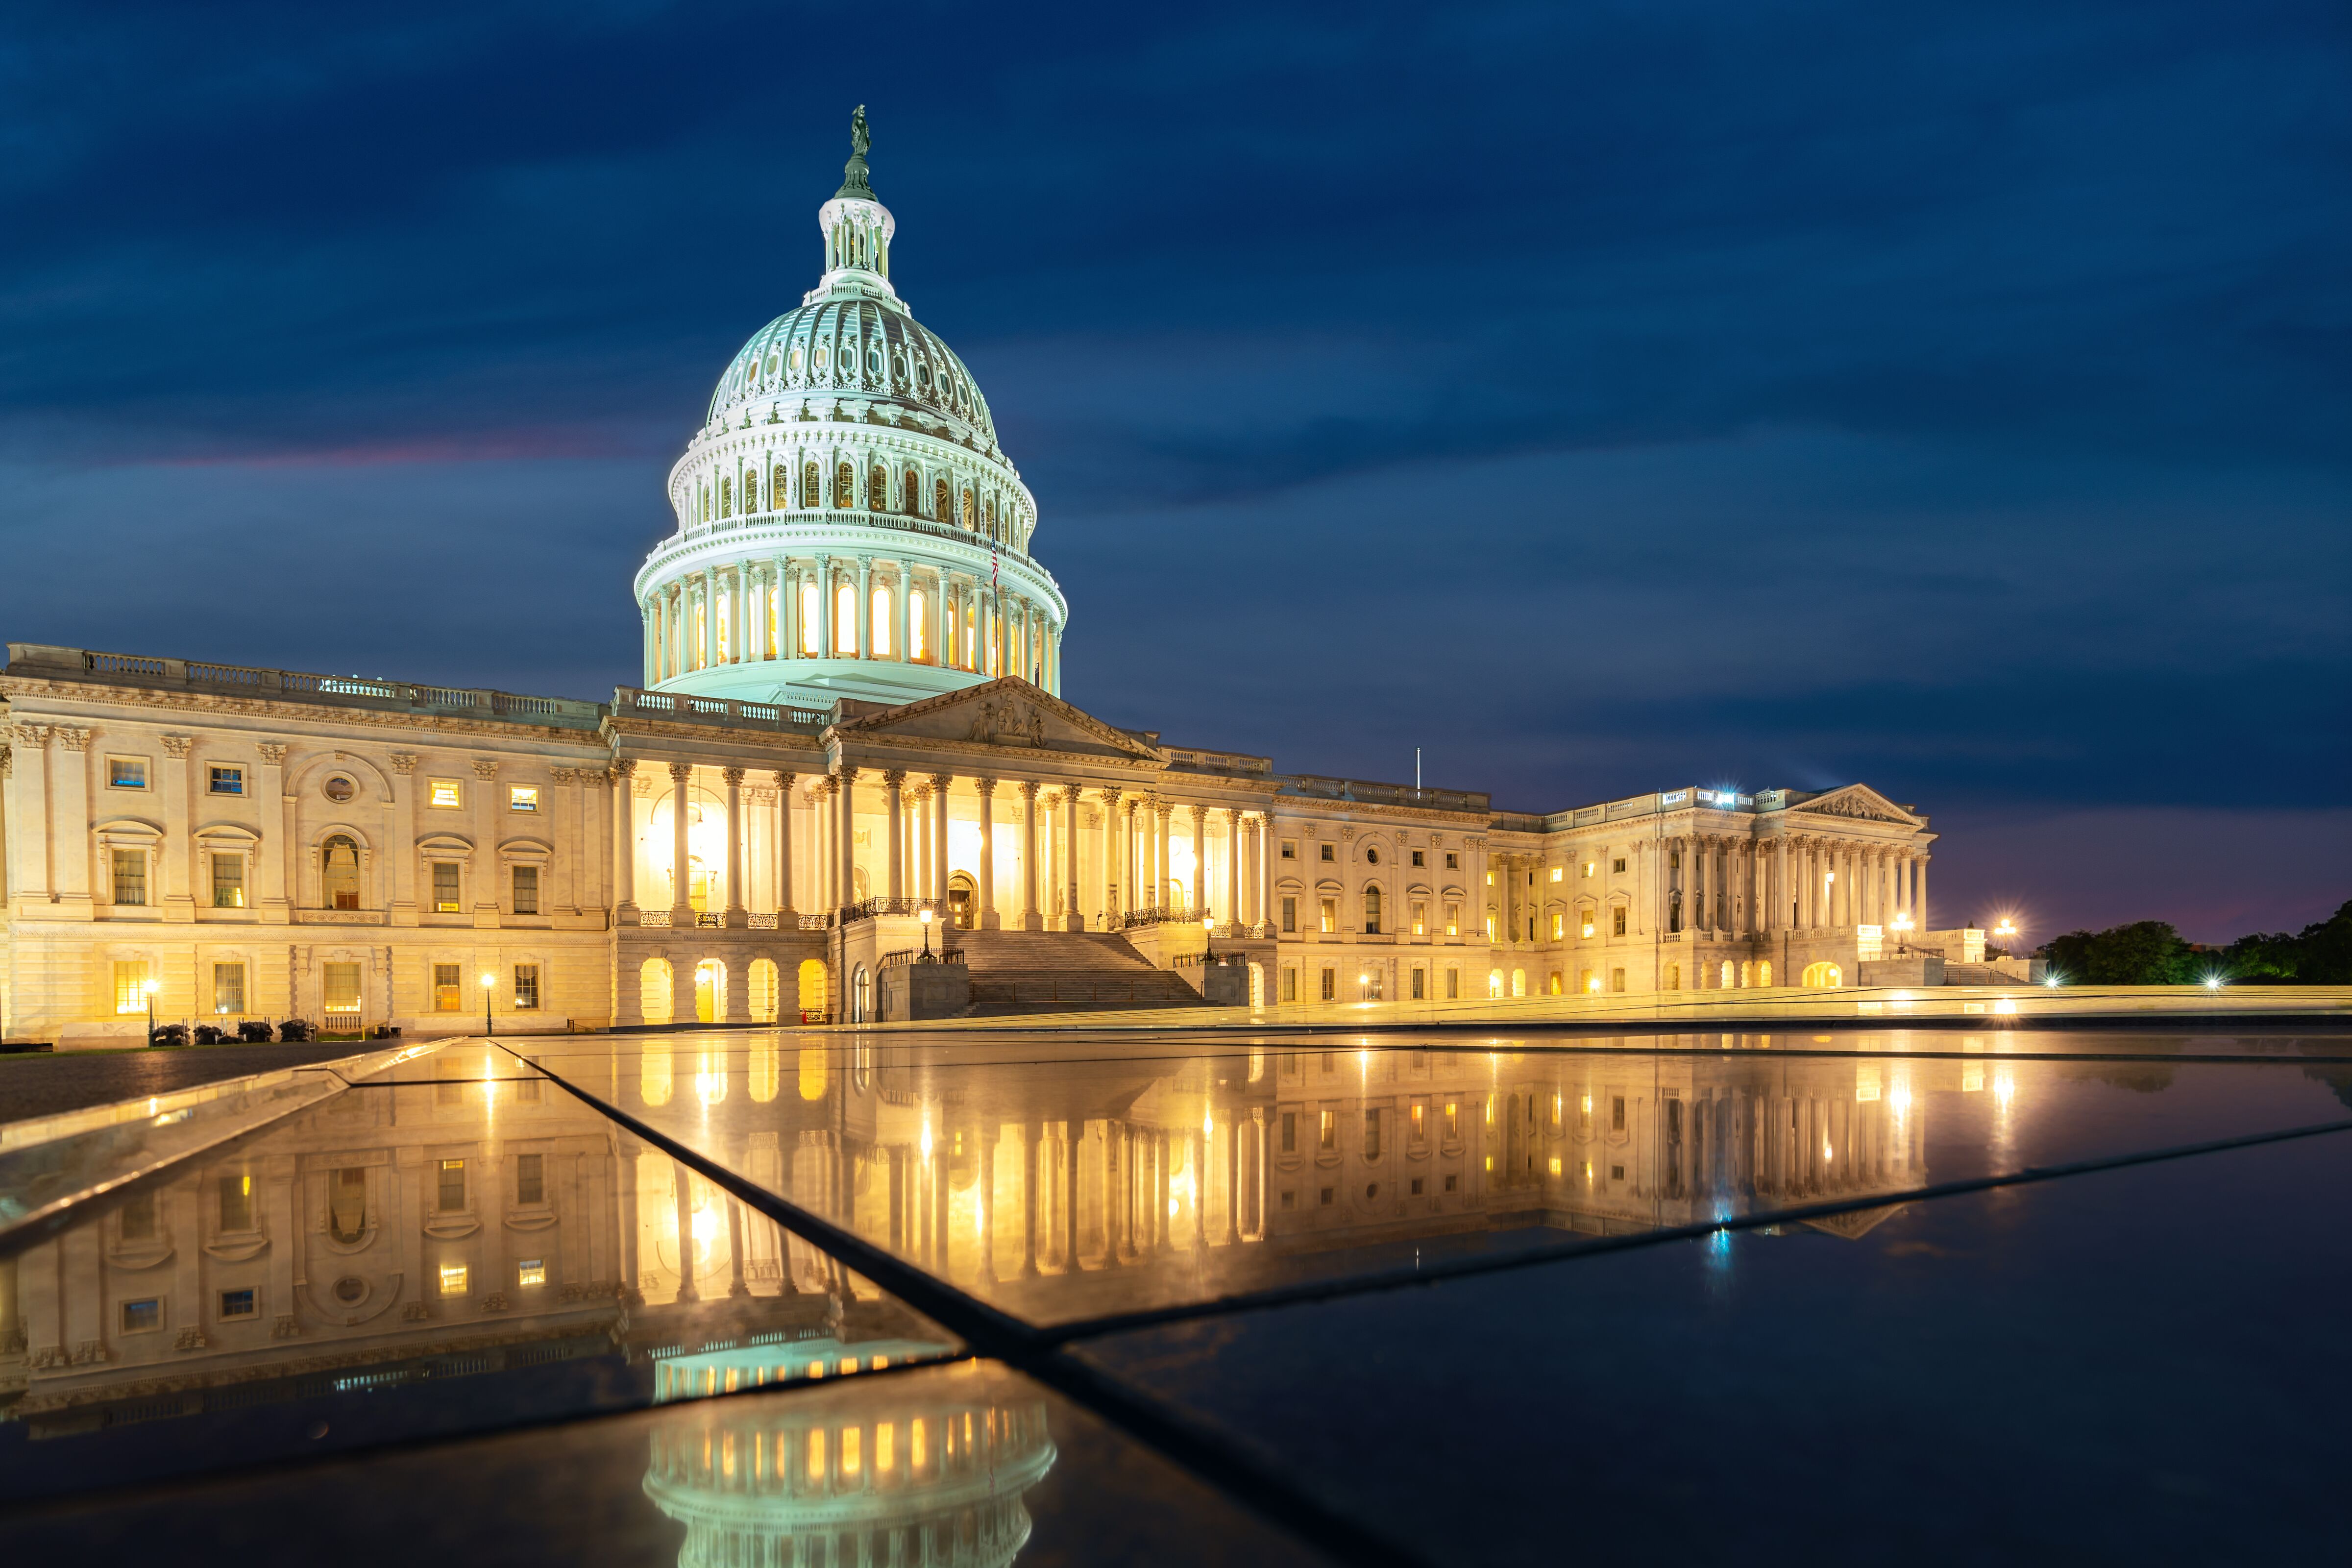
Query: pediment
column 1008, row 714
column 1858, row 803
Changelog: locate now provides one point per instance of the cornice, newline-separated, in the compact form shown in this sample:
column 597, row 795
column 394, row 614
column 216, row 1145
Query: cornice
column 294, row 715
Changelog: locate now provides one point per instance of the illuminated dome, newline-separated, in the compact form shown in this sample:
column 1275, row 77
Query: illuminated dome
column 847, row 524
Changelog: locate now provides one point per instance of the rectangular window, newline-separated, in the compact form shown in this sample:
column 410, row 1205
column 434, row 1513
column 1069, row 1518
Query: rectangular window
column 1327, row 1132
column 1559, row 925
column 1323, row 1196
column 1290, row 1132
column 126, row 772
column 1453, row 1122
column 239, row 1304
column 1617, row 980
column 446, row 886
column 1420, row 1122
column 1331, row 984
column 526, row 889
column 1420, row 917
column 1588, row 927
column 138, row 1317
column 446, row 986
column 453, row 1280
column 1290, row 985
column 1556, row 873
column 1325, row 852
column 1673, row 978
column 130, row 875
column 522, row 797
column 226, row 781
column 1453, row 986
column 1617, row 1113
column 451, row 1192
column 1416, row 1187
column 1419, row 984
column 1453, row 861
column 1490, row 925
column 1290, row 849
column 1617, row 921
column 1330, row 915
column 237, row 1203
column 1371, row 1134
column 533, row 1270
column 228, row 881
column 1418, row 858
column 347, row 1205
column 137, row 1217
column 1454, row 920
column 131, row 985
column 1587, row 867
column 1617, row 865
column 343, row 987
column 525, row 986
column 1290, row 915
column 445, row 792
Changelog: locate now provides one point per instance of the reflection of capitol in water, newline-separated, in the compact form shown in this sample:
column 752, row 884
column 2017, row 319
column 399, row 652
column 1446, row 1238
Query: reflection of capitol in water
column 923, row 1469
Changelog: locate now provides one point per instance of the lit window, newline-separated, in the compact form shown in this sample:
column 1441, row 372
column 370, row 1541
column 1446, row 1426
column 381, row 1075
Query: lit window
column 228, row 881
column 451, row 1192
column 239, row 1304
column 1331, row 984
column 130, row 875
column 1555, row 1165
column 453, row 1280
column 919, row 639
column 533, row 1270
column 1617, row 921
column 1328, row 1136
column 131, row 985
column 1454, row 920
column 1420, row 917
column 228, row 987
column 446, row 886
column 138, row 1317
column 126, row 772
column 1586, row 923
column 237, row 1202
column 1587, row 867
column 886, row 1436
column 1453, row 1122
column 227, row 781
column 1559, row 925
column 526, row 990
column 1330, row 914
column 1556, row 873
column 526, row 889
column 343, row 987
column 445, row 792
column 522, row 797
column 446, row 987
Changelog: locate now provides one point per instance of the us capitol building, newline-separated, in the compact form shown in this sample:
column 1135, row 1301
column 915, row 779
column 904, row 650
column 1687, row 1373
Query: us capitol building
column 850, row 746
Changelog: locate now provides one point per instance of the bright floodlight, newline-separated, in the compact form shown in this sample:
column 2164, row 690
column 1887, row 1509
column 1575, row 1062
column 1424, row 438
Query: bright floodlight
column 2212, row 983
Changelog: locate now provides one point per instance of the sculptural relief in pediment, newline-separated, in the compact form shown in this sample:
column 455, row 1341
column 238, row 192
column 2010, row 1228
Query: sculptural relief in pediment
column 1009, row 713
column 1859, row 802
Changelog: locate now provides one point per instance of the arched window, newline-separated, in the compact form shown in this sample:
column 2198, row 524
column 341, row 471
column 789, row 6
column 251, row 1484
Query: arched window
column 878, row 488
column 810, row 493
column 810, row 609
column 1764, row 971
column 844, row 485
column 971, row 520
column 1372, row 912
column 914, row 496
column 919, row 641
column 726, row 497
column 940, row 501
column 339, row 872
column 779, row 489
column 844, row 619
column 881, row 637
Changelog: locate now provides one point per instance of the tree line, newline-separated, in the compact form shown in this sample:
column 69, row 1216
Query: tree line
column 2150, row 953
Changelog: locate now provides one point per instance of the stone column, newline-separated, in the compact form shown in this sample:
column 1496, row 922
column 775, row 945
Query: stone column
column 1165, row 810
column 893, row 783
column 939, row 784
column 1112, row 815
column 176, row 855
column 847, row 808
column 989, row 919
column 788, row 608
column 681, row 864
column 486, row 846
column 738, row 916
column 625, row 846
column 825, row 639
column 906, row 614
column 70, row 828
column 785, row 914
column 1920, row 920
column 1265, row 877
column 1030, row 919
column 1201, row 899
column 710, row 618
column 1232, row 924
column 866, row 607
column 1072, row 912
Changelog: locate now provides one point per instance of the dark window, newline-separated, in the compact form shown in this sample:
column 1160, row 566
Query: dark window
column 1617, row 1114
column 1416, row 1187
column 1452, row 862
column 1290, row 914
column 141, row 1315
column 347, row 1203
column 1324, row 1196
column 453, row 1187
column 227, row 781
column 1450, row 1182
column 1326, row 851
column 526, row 889
column 139, row 1217
column 531, row 1179
column 237, row 1304
column 1417, row 858
column 1290, row 1132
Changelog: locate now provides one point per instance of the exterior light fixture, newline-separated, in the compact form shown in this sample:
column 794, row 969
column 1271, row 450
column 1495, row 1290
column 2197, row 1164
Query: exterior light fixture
column 2212, row 983
column 147, row 991
column 2005, row 926
column 489, row 980
column 924, row 914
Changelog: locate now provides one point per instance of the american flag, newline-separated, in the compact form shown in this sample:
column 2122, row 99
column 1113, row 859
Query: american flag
column 992, row 564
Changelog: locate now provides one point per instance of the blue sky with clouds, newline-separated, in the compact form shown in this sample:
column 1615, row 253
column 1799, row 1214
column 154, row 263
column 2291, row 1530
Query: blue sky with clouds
column 1600, row 398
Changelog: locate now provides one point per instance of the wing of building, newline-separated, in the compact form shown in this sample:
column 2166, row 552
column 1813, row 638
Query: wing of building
column 848, row 748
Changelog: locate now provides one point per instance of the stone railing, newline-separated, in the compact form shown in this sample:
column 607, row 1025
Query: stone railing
column 867, row 908
column 854, row 517
column 679, row 705
column 1371, row 793
column 1129, row 920
column 906, row 956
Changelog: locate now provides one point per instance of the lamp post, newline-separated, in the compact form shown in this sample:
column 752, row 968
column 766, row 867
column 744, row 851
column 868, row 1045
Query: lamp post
column 147, row 990
column 924, row 914
column 489, row 980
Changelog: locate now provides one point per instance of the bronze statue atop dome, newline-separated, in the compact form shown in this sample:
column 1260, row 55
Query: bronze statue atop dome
column 853, row 173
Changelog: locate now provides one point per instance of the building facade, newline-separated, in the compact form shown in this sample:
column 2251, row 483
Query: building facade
column 849, row 720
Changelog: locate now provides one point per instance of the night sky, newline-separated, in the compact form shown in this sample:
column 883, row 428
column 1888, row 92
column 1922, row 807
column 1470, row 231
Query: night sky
column 1602, row 398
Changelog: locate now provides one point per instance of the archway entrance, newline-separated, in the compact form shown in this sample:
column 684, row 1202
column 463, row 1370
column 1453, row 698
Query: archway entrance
column 861, row 997
column 963, row 900
column 1825, row 976
column 709, row 991
column 813, row 1000
column 340, row 874
column 652, row 991
column 763, row 991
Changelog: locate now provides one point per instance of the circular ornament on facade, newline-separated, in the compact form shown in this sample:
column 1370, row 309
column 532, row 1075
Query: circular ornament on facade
column 351, row 1290
column 337, row 788
column 1373, row 856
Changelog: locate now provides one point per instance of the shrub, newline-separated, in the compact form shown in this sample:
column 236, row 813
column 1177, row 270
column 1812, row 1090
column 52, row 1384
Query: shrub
column 296, row 1029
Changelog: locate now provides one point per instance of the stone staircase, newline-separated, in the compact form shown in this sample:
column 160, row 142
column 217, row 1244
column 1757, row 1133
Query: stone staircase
column 1064, row 972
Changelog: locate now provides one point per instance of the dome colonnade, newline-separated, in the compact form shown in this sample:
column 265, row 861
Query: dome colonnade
column 846, row 521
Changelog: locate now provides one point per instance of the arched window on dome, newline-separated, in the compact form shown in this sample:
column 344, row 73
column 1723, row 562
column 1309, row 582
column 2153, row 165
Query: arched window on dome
column 810, row 611
column 779, row 489
column 970, row 518
column 726, row 497
column 844, row 485
column 914, row 497
column 844, row 619
column 812, row 496
column 940, row 501
column 883, row 603
column 918, row 640
column 878, row 488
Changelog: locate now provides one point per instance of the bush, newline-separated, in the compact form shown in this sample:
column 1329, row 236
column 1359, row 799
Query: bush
column 294, row 1030
column 168, row 1034
column 208, row 1034
column 384, row 1031
column 2145, row 952
column 253, row 1031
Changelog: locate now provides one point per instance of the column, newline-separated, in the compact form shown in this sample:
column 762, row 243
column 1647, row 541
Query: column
column 846, row 809
column 1920, row 863
column 736, row 917
column 624, row 845
column 681, row 866
column 1111, row 815
column 710, row 618
column 893, row 781
column 788, row 612
column 1231, row 924
column 989, row 920
column 1165, row 811
column 866, row 607
column 1073, row 914
column 1030, row 919
column 1202, row 901
column 785, row 912
column 940, row 783
column 825, row 606
column 70, row 828
column 1265, row 882
column 905, row 613
column 403, row 848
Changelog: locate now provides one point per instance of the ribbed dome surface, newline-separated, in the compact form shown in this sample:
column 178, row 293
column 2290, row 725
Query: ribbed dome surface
column 851, row 346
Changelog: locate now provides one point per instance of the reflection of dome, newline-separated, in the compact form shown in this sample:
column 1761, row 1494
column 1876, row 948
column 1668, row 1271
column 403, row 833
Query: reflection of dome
column 920, row 1467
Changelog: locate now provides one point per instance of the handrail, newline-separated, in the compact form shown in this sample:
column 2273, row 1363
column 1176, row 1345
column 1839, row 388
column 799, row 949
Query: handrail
column 906, row 956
